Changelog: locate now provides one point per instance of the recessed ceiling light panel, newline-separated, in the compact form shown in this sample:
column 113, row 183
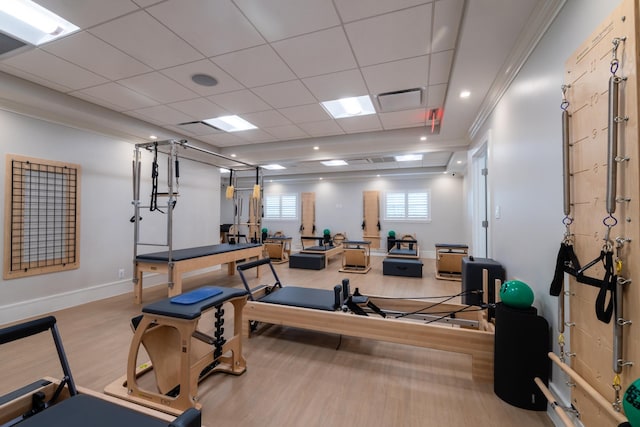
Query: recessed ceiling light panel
column 408, row 157
column 334, row 163
column 273, row 167
column 349, row 107
column 32, row 23
column 230, row 123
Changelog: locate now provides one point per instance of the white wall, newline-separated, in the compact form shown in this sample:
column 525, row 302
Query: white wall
column 106, row 235
column 339, row 208
column 525, row 169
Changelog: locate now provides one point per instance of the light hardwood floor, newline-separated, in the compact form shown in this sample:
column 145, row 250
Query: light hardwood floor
column 294, row 377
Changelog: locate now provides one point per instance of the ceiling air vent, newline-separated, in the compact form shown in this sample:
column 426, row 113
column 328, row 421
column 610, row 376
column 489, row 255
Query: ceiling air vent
column 9, row 44
column 400, row 100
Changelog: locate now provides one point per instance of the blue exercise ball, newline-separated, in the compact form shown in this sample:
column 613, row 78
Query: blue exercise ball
column 517, row 294
column 631, row 403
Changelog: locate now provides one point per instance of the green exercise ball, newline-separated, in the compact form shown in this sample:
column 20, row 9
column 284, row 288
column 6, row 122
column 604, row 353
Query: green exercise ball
column 517, row 294
column 631, row 403
column 326, row 232
column 264, row 230
column 392, row 233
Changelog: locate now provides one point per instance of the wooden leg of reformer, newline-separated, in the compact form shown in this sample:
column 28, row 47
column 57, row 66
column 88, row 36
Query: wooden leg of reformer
column 137, row 284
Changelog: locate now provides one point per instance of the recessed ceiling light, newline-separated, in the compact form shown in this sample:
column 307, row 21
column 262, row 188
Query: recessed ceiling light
column 334, row 163
column 224, row 170
column 273, row 167
column 153, row 137
column 230, row 123
column 316, row 148
column 32, row 23
column 465, row 94
column 423, row 138
column 459, row 162
column 349, row 107
column 204, row 80
column 408, row 157
column 320, row 178
column 233, row 155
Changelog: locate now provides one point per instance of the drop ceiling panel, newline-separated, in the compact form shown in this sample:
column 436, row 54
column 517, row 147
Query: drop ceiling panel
column 49, row 67
column 287, row 94
column 257, row 66
column 436, row 96
column 198, row 129
column 440, row 67
column 87, row 13
column 336, row 85
column 317, row 53
column 163, row 115
column 287, row 132
column 182, row 74
column 402, row 119
column 360, row 124
column 446, row 22
column 305, row 113
column 266, row 119
column 351, row 10
column 255, row 135
column 159, row 87
column 95, row 55
column 199, row 108
column 223, row 139
column 240, row 102
column 207, row 24
column 280, row 19
column 397, row 75
column 323, row 128
column 115, row 94
column 30, row 77
column 377, row 40
column 155, row 45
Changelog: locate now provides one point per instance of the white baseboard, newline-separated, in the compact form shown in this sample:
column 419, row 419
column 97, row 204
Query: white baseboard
column 41, row 306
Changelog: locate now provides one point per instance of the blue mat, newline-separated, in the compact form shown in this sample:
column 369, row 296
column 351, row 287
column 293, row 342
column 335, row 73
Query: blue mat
column 197, row 295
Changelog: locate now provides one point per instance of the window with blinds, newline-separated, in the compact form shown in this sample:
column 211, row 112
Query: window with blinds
column 281, row 206
column 408, row 206
column 41, row 216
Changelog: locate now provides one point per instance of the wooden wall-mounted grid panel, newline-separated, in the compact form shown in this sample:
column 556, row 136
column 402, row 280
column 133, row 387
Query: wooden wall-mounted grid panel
column 42, row 216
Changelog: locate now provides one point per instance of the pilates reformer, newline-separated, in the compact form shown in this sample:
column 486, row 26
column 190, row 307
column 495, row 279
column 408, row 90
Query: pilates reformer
column 325, row 246
column 181, row 354
column 356, row 256
column 406, row 247
column 51, row 402
column 396, row 320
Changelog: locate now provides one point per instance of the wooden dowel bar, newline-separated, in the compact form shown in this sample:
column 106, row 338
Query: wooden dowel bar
column 592, row 392
column 554, row 404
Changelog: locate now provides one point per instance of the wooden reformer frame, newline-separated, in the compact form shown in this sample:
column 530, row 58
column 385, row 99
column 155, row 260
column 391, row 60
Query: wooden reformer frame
column 328, row 251
column 449, row 260
column 181, row 356
column 278, row 248
column 356, row 256
column 477, row 343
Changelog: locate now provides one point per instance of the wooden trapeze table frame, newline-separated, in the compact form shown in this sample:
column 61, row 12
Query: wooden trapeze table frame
column 175, row 269
column 479, row 344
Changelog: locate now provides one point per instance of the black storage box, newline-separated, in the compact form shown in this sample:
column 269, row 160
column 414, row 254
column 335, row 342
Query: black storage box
column 472, row 278
column 306, row 261
column 402, row 267
column 521, row 347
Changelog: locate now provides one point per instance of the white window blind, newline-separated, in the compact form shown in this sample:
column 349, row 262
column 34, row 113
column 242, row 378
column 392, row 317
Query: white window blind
column 408, row 205
column 281, row 206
